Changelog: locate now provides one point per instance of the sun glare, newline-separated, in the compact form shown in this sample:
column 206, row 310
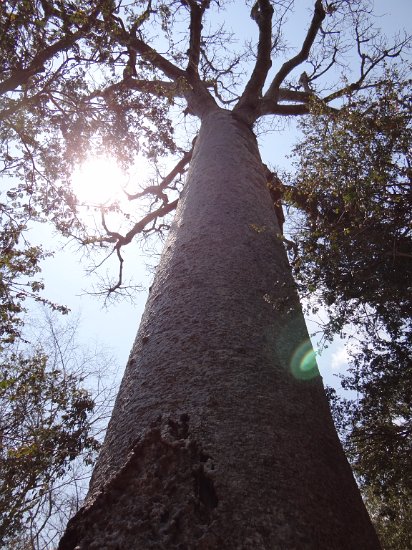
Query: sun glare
column 98, row 181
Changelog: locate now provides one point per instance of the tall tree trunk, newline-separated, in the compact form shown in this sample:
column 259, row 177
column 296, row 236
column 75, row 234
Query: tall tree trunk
column 221, row 437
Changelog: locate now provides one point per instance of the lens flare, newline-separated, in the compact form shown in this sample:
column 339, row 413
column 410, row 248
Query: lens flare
column 303, row 362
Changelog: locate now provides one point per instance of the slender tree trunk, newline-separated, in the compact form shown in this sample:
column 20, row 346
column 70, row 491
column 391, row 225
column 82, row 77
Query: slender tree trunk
column 221, row 437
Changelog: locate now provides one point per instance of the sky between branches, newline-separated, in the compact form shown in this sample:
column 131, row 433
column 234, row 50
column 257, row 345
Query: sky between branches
column 116, row 326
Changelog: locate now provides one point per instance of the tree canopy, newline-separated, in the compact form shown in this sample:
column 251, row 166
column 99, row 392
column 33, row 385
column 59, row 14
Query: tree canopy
column 111, row 76
column 353, row 182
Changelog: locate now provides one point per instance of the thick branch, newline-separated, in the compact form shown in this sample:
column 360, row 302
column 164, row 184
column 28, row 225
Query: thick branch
column 196, row 93
column 268, row 107
column 287, row 67
column 156, row 59
column 158, row 88
column 196, row 15
column 294, row 95
column 345, row 91
column 262, row 13
column 21, row 76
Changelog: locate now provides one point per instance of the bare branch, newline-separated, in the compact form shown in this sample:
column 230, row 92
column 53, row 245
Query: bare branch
column 262, row 13
column 316, row 72
column 366, row 69
column 159, row 189
column 196, row 15
column 139, row 226
column 287, row 67
column 112, row 234
column 158, row 88
column 136, row 229
column 120, row 277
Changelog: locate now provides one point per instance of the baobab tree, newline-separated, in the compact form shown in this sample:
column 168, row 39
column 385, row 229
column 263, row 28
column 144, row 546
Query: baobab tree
column 221, row 436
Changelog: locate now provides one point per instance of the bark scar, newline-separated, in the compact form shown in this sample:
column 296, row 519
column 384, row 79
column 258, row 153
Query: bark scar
column 165, row 486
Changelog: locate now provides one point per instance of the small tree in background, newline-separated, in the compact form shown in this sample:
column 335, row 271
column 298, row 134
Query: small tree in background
column 54, row 405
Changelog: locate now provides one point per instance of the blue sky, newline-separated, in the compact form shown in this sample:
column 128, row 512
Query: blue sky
column 116, row 326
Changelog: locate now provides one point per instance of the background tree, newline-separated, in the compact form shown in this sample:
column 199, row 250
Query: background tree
column 375, row 430
column 355, row 253
column 120, row 77
column 353, row 184
column 54, row 401
column 20, row 269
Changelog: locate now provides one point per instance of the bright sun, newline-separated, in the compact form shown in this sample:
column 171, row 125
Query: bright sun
column 98, row 181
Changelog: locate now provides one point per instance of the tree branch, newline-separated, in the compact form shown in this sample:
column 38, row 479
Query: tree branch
column 196, row 15
column 287, row 67
column 294, row 95
column 135, row 45
column 360, row 84
column 124, row 240
column 156, row 59
column 21, row 76
column 262, row 13
column 194, row 90
column 139, row 226
column 158, row 189
column 120, row 276
column 158, row 88
column 271, row 107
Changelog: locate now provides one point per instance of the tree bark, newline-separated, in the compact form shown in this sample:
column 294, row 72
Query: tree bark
column 221, row 436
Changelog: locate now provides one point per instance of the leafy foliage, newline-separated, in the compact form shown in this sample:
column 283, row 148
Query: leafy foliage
column 354, row 187
column 54, row 404
column 44, row 426
column 19, row 268
column 54, row 55
column 391, row 515
column 376, row 430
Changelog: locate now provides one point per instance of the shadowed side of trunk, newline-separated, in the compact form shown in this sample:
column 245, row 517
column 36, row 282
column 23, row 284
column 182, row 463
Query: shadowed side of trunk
column 221, row 437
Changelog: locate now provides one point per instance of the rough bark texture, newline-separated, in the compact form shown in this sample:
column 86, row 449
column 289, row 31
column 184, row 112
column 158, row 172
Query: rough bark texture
column 219, row 439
